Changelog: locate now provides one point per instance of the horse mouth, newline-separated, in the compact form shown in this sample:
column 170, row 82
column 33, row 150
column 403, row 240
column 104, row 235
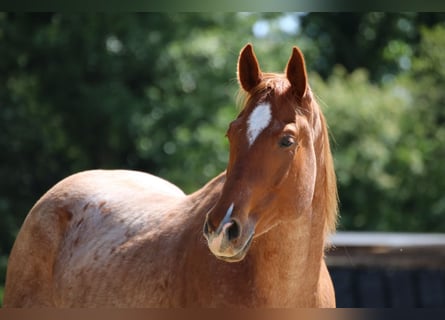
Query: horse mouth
column 240, row 254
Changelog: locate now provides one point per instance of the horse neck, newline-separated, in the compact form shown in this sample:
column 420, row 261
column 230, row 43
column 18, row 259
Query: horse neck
column 199, row 203
column 202, row 200
column 290, row 254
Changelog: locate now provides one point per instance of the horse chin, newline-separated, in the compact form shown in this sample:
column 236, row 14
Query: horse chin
column 241, row 254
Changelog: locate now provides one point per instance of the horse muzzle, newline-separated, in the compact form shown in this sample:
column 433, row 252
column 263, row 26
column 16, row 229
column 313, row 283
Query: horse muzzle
column 230, row 242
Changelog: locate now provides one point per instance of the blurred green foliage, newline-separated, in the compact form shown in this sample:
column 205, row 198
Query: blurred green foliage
column 156, row 92
column 1, row 295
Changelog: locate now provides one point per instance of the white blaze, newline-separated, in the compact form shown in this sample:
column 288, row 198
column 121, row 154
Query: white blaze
column 258, row 120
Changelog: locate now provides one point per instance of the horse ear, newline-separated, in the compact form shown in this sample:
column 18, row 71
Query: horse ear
column 249, row 73
column 296, row 73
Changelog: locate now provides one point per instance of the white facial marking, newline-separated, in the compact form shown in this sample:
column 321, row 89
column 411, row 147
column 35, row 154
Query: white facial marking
column 258, row 120
column 226, row 218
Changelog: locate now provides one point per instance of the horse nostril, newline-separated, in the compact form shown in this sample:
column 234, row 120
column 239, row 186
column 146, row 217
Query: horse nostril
column 233, row 231
column 208, row 227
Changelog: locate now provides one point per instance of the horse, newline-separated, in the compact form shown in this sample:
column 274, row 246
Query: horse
column 253, row 236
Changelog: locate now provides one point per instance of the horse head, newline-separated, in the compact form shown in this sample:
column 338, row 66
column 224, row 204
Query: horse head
column 271, row 174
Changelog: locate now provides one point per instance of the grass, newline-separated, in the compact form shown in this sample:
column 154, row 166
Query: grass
column 1, row 295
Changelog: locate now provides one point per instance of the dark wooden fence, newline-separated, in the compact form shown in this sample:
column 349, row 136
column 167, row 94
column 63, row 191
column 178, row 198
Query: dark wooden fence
column 388, row 269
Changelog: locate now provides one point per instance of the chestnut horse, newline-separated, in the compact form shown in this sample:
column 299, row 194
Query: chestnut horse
column 129, row 239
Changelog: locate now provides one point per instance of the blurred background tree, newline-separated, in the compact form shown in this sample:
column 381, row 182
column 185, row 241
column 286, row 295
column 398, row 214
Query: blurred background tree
column 156, row 92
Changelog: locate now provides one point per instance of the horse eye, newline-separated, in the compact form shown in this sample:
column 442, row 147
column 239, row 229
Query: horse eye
column 286, row 141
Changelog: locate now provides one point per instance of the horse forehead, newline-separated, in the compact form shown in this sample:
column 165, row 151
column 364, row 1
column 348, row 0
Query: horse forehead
column 258, row 120
column 263, row 114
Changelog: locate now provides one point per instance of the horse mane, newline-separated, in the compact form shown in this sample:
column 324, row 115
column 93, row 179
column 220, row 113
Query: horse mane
column 330, row 194
column 327, row 200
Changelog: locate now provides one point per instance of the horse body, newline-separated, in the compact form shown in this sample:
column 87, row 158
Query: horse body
column 124, row 238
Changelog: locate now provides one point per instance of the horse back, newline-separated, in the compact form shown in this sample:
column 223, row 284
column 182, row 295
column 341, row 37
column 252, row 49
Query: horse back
column 79, row 231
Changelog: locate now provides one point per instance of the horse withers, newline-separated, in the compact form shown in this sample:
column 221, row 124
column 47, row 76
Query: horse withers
column 254, row 236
